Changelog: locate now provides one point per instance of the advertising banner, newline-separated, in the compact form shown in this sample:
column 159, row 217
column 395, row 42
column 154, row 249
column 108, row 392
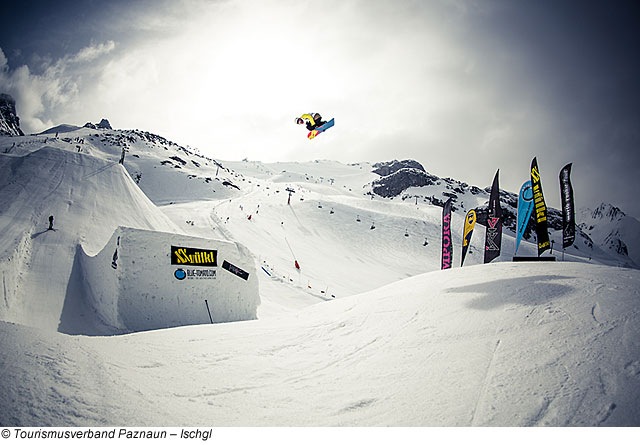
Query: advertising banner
column 469, row 224
column 568, row 209
column 493, row 238
column 542, row 233
column 447, row 241
column 525, row 207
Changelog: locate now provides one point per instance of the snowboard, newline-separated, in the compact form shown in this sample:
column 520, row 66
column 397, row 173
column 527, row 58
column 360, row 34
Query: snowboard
column 320, row 129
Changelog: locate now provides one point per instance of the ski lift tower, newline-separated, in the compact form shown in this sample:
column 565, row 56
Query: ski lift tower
column 290, row 190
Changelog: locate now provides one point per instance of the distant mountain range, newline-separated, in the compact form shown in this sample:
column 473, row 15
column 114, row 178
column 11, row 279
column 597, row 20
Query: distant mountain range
column 607, row 226
column 603, row 230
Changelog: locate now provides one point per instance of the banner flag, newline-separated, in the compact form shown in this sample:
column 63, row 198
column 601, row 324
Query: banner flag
column 525, row 207
column 568, row 209
column 542, row 233
column 447, row 242
column 493, row 237
column 469, row 224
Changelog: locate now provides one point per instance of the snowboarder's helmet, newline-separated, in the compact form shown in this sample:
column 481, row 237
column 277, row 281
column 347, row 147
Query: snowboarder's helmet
column 299, row 120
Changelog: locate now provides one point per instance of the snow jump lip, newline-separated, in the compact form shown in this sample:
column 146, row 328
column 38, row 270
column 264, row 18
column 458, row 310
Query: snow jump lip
column 133, row 285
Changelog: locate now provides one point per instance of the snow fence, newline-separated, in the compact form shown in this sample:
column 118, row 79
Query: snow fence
column 143, row 280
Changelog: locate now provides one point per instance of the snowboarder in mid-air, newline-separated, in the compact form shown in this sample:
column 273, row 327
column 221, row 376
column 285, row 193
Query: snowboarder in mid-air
column 314, row 123
column 313, row 120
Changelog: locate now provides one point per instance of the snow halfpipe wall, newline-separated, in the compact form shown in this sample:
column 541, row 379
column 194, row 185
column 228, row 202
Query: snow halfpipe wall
column 143, row 280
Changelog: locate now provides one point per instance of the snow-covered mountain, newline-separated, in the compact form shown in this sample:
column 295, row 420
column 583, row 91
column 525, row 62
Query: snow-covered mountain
column 367, row 331
column 606, row 229
column 62, row 128
column 609, row 227
column 9, row 120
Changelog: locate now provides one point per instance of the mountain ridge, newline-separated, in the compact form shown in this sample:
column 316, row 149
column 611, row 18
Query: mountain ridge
column 9, row 120
column 407, row 181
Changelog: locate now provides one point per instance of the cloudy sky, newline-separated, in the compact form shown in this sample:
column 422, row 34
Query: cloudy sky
column 462, row 86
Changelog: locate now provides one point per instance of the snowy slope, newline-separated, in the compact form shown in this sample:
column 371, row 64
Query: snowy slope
column 503, row 344
column 369, row 331
column 170, row 174
column 88, row 197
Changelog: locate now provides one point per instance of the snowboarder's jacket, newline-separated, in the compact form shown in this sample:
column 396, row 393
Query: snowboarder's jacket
column 313, row 120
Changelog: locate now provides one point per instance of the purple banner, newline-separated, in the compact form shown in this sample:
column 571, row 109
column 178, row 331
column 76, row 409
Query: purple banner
column 447, row 241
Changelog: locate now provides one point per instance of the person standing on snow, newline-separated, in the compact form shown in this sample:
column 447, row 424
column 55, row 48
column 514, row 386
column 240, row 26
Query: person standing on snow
column 313, row 120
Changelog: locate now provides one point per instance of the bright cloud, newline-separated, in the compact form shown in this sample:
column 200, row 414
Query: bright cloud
column 90, row 53
column 43, row 98
column 402, row 79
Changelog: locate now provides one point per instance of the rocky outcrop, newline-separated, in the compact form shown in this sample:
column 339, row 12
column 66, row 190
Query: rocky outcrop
column 608, row 212
column 104, row 125
column 399, row 176
column 9, row 120
column 400, row 180
column 389, row 168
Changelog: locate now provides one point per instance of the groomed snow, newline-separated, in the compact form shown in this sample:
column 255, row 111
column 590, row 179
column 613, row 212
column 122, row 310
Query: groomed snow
column 367, row 333
column 544, row 344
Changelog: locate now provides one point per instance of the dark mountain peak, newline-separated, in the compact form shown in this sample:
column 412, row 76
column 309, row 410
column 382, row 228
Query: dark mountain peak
column 607, row 211
column 401, row 179
column 104, row 125
column 390, row 167
column 9, row 120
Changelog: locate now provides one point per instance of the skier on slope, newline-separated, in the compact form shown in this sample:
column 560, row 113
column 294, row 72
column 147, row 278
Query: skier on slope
column 313, row 120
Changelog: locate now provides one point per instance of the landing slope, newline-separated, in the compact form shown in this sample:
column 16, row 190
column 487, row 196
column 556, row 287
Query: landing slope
column 502, row 344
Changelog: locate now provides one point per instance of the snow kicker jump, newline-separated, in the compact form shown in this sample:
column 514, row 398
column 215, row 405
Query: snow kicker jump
column 145, row 280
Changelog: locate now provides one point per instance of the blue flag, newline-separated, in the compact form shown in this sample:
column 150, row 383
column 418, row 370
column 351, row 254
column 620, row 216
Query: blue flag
column 525, row 207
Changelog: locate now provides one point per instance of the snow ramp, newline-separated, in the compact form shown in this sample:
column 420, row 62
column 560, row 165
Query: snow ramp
column 143, row 280
column 88, row 197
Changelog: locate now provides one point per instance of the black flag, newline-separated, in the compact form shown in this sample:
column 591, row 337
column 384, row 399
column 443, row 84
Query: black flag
column 447, row 241
column 493, row 237
column 540, row 209
column 568, row 210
